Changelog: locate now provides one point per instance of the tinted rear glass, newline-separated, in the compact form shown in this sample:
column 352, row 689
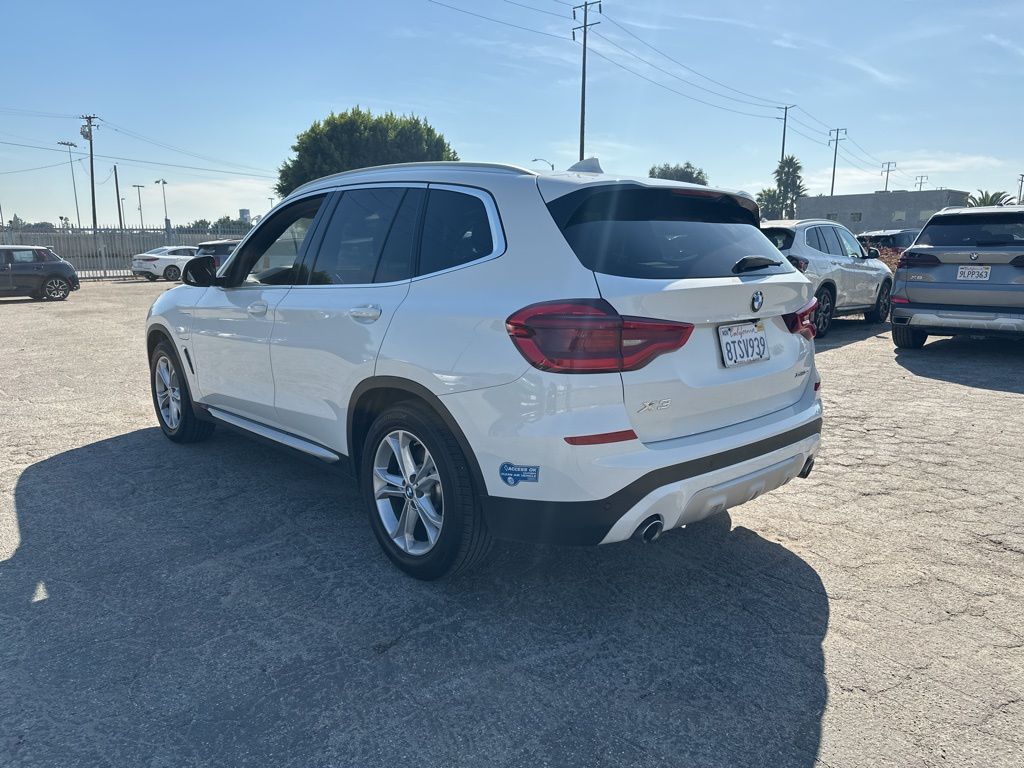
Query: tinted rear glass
column 976, row 230
column 781, row 238
column 661, row 233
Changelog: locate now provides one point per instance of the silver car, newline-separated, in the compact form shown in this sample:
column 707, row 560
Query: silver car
column 848, row 279
column 963, row 275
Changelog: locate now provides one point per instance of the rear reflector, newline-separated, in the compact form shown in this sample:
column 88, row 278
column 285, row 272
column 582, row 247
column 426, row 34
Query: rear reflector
column 802, row 321
column 589, row 336
column 899, row 300
column 911, row 259
column 606, row 437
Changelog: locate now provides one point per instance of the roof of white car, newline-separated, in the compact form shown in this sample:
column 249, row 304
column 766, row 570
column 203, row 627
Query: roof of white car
column 982, row 209
column 552, row 184
column 794, row 223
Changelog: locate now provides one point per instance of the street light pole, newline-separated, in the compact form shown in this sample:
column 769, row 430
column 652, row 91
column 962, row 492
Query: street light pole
column 271, row 201
column 74, row 186
column 138, row 188
column 163, row 187
column 542, row 160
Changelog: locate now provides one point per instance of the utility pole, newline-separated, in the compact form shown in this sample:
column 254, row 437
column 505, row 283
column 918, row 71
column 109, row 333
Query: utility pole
column 585, row 7
column 835, row 154
column 271, row 201
column 1020, row 189
column 920, row 182
column 74, row 186
column 785, row 120
column 163, row 186
column 117, row 191
column 86, row 131
column 886, row 168
column 138, row 188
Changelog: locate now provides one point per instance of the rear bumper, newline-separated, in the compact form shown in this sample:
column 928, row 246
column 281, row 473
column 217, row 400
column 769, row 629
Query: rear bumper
column 949, row 321
column 680, row 493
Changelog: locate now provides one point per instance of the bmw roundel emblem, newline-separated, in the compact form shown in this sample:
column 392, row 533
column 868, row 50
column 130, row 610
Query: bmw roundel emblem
column 974, row 257
column 757, row 301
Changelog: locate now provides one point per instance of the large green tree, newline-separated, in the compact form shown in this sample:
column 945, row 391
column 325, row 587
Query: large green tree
column 686, row 172
column 989, row 198
column 770, row 202
column 357, row 139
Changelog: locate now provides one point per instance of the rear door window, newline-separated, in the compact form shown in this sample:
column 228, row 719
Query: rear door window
column 813, row 240
column 637, row 232
column 974, row 230
column 456, row 231
column 831, row 241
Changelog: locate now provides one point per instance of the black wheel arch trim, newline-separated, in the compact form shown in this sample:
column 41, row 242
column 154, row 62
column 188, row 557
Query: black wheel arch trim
column 588, row 522
column 419, row 391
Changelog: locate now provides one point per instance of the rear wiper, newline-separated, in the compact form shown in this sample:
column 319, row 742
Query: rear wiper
column 749, row 263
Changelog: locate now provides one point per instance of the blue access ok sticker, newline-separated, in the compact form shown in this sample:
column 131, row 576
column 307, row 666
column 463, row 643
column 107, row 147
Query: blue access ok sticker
column 514, row 474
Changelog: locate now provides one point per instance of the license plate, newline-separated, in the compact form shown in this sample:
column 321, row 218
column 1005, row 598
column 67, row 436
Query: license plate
column 743, row 343
column 972, row 272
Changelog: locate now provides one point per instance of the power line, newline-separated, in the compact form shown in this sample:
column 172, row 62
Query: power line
column 771, row 102
column 868, row 154
column 496, row 21
column 37, row 168
column 145, row 162
column 801, row 133
column 538, row 10
column 34, row 113
column 822, row 123
column 677, row 77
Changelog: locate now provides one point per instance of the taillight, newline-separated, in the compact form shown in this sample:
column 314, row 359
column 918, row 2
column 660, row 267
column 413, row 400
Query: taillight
column 912, row 259
column 148, row 258
column 799, row 262
column 589, row 336
column 802, row 321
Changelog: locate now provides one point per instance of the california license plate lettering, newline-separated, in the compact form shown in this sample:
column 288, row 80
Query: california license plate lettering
column 743, row 343
column 972, row 272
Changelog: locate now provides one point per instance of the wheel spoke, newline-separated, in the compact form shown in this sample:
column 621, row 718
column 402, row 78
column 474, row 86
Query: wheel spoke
column 394, row 442
column 392, row 480
column 432, row 528
column 428, row 512
column 405, row 458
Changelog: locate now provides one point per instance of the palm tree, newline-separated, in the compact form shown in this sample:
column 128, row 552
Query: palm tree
column 790, row 184
column 988, row 198
column 770, row 202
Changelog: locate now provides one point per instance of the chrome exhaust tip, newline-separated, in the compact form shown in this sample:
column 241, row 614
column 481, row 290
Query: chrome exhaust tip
column 649, row 530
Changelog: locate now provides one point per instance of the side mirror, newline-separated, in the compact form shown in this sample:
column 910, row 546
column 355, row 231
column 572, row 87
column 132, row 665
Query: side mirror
column 873, row 253
column 200, row 272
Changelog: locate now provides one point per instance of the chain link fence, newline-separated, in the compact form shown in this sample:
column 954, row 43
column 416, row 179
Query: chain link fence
column 108, row 253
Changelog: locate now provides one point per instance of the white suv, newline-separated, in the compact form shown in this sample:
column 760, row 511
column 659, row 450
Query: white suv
column 573, row 358
column 848, row 279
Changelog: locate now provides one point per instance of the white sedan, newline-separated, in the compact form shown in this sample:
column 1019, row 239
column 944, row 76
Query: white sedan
column 167, row 261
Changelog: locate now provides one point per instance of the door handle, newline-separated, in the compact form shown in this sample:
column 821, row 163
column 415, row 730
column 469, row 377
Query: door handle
column 367, row 313
column 257, row 309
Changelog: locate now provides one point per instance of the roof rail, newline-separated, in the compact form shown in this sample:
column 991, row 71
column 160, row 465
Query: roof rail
column 442, row 164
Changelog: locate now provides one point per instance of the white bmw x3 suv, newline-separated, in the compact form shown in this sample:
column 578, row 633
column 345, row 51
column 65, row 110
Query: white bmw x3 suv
column 573, row 358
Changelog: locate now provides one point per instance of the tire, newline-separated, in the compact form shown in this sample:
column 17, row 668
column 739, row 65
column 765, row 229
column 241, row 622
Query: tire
column 880, row 314
column 56, row 288
column 908, row 338
column 824, row 313
column 150, row 278
column 171, row 274
column 187, row 427
column 461, row 540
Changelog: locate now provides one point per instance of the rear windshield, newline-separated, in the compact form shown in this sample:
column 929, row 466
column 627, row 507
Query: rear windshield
column 975, row 230
column 781, row 238
column 661, row 233
column 218, row 249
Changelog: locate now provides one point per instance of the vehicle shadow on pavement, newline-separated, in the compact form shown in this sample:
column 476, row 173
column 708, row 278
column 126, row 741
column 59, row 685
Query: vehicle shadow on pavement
column 849, row 331
column 995, row 364
column 223, row 603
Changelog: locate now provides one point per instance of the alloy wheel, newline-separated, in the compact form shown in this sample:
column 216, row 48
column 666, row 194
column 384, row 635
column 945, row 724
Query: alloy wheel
column 168, row 392
column 823, row 314
column 56, row 288
column 408, row 492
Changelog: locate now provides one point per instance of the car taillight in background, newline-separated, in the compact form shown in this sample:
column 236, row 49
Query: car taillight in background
column 147, row 258
column 911, row 259
column 799, row 262
column 802, row 321
column 589, row 336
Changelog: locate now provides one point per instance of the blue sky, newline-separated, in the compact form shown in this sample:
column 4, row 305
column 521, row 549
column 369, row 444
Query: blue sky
column 933, row 85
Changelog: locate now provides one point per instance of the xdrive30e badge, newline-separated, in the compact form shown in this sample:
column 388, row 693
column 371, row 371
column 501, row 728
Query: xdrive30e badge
column 757, row 301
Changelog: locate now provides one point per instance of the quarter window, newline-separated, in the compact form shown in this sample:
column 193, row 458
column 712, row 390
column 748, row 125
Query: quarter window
column 456, row 230
column 813, row 240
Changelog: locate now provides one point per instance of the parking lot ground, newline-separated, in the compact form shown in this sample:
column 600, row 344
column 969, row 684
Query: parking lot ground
column 226, row 604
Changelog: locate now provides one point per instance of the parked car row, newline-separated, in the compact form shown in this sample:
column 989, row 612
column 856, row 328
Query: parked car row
column 168, row 261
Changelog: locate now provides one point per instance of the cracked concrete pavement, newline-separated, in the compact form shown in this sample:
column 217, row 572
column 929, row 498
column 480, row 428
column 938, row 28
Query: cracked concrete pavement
column 225, row 604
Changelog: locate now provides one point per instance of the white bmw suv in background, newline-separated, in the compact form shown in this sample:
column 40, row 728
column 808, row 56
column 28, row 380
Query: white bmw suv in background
column 848, row 279
column 574, row 358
